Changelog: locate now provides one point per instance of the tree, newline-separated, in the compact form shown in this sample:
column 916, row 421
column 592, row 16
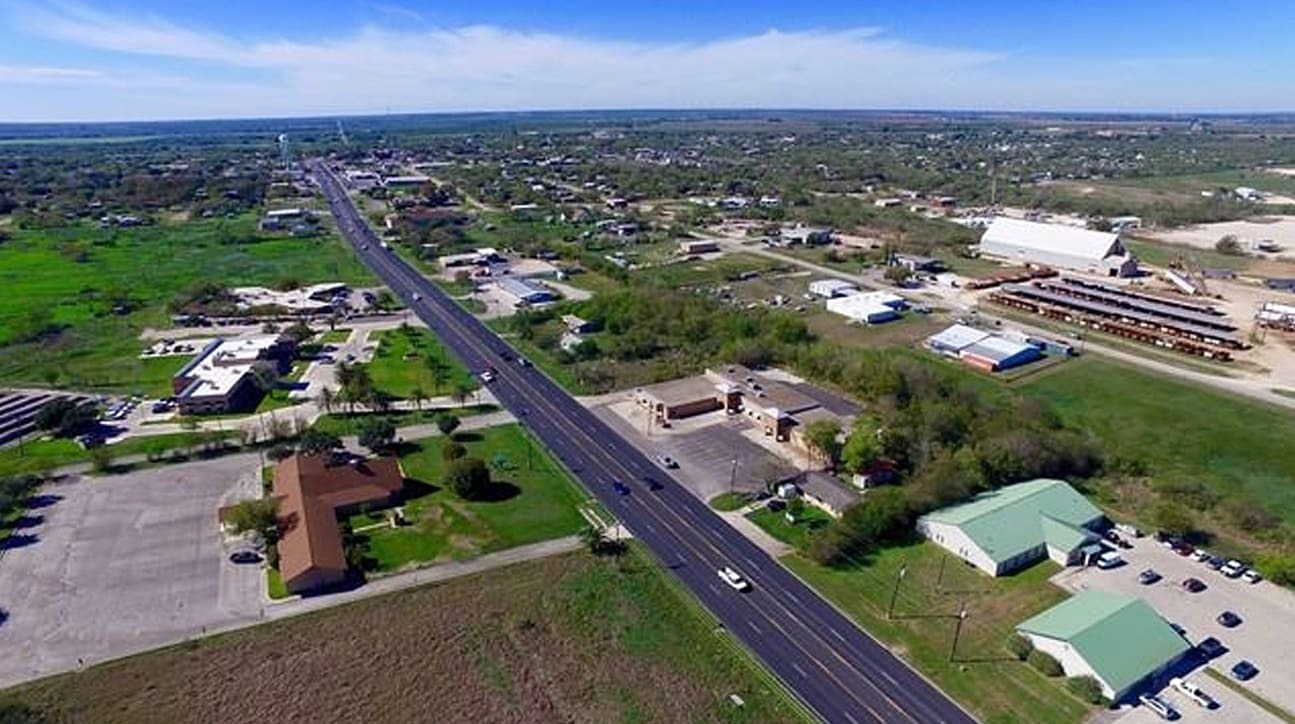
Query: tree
column 1229, row 245
column 326, row 398
column 453, row 451
column 1087, row 688
column 447, row 423
column 594, row 538
column 417, row 396
column 1044, row 663
column 260, row 515
column 462, row 391
column 898, row 275
column 101, row 458
column 821, row 436
column 318, row 442
column 64, row 417
column 280, row 452
column 439, row 371
column 377, row 433
column 862, row 448
column 16, row 712
column 1172, row 518
column 1019, row 646
column 469, row 478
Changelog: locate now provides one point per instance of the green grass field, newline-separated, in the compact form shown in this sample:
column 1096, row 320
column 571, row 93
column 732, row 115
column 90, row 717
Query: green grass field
column 537, row 501
column 982, row 676
column 400, row 364
column 346, row 424
column 74, row 274
column 810, row 521
column 1181, row 431
column 335, row 336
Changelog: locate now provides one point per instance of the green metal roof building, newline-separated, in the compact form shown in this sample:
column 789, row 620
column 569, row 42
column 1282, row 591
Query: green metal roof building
column 1003, row 530
column 1119, row 640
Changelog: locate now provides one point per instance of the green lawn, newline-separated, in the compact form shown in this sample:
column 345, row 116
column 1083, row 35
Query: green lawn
column 1180, row 430
column 729, row 501
column 1160, row 254
column 537, row 501
column 810, row 521
column 73, row 275
column 983, row 677
column 335, row 336
column 274, row 584
column 38, row 456
column 346, row 424
column 400, row 363
column 277, row 398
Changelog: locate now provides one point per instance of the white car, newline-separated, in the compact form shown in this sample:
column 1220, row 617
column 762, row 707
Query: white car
column 487, row 377
column 1251, row 576
column 1200, row 555
column 1192, row 691
column 1233, row 568
column 1159, row 706
column 734, row 579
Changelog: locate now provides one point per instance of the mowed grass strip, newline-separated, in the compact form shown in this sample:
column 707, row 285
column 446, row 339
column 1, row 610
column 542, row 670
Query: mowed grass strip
column 47, row 454
column 981, row 675
column 1180, row 430
column 567, row 638
column 532, row 499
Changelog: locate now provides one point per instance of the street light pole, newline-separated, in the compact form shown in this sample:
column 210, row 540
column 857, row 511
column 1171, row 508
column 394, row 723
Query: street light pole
column 732, row 478
column 957, row 631
column 895, row 592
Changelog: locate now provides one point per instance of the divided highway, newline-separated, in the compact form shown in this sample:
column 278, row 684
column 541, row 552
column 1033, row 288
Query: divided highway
column 832, row 666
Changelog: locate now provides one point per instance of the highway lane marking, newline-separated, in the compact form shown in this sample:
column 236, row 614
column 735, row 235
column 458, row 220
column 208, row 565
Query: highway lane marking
column 470, row 342
column 799, row 670
column 837, row 634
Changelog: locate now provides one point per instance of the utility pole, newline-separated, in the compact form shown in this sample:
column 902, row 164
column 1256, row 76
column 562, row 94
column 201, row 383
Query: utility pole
column 957, row 631
column 890, row 612
column 732, row 478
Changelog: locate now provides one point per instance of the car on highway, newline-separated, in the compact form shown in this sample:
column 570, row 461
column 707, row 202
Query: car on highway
column 1190, row 690
column 734, row 579
column 1211, row 648
column 245, row 556
column 620, row 488
column 652, row 483
column 488, row 376
column 1148, row 577
column 1193, row 585
column 1227, row 619
column 666, row 461
column 1159, row 706
column 1244, row 671
column 522, row 361
column 417, row 296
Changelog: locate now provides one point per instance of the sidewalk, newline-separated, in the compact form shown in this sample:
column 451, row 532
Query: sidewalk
column 754, row 533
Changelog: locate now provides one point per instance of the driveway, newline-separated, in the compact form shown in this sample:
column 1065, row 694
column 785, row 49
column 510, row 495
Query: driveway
column 1265, row 637
column 115, row 565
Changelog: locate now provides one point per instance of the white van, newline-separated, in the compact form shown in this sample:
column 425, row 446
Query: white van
column 1109, row 559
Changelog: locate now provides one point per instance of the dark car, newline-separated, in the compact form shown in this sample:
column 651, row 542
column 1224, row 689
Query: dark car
column 652, row 483
column 523, row 362
column 1244, row 671
column 245, row 557
column 1216, row 562
column 1193, row 585
column 776, row 505
column 1183, row 549
column 1211, row 648
column 1148, row 577
column 621, row 488
column 1229, row 619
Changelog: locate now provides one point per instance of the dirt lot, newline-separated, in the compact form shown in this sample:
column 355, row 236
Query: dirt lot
column 564, row 639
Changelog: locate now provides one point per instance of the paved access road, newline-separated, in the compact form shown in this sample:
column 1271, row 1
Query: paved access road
column 835, row 669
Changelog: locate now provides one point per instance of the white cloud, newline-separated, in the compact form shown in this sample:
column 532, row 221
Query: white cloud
column 37, row 74
column 491, row 68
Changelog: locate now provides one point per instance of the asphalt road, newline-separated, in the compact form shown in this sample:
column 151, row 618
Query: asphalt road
column 832, row 666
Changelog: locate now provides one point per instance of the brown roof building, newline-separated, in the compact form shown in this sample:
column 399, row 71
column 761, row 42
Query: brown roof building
column 313, row 490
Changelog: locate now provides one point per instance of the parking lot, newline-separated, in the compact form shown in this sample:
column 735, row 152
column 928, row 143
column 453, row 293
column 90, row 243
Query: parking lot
column 105, row 567
column 1265, row 636
column 705, row 448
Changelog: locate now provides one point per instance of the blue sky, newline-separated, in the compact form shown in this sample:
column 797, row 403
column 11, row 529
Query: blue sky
column 112, row 60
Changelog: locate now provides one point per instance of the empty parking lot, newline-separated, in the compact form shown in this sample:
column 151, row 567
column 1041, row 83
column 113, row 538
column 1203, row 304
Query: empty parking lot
column 109, row 566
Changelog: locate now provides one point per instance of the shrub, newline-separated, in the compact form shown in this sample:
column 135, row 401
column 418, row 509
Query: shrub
column 1046, row 664
column 453, row 451
column 1086, row 688
column 1020, row 647
column 469, row 478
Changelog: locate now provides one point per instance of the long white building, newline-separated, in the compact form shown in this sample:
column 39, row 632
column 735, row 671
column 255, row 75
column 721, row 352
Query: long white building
column 1067, row 247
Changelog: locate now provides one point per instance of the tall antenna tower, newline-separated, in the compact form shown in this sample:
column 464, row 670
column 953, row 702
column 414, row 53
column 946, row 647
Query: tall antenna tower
column 285, row 152
column 341, row 133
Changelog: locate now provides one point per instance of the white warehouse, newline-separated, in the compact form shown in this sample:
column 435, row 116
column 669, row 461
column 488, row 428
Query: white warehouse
column 868, row 307
column 1066, row 247
column 831, row 288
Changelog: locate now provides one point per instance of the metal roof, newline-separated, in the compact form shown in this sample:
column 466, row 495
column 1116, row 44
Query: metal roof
column 956, row 338
column 998, row 349
column 1044, row 295
column 1050, row 238
column 1007, row 522
column 1122, row 638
